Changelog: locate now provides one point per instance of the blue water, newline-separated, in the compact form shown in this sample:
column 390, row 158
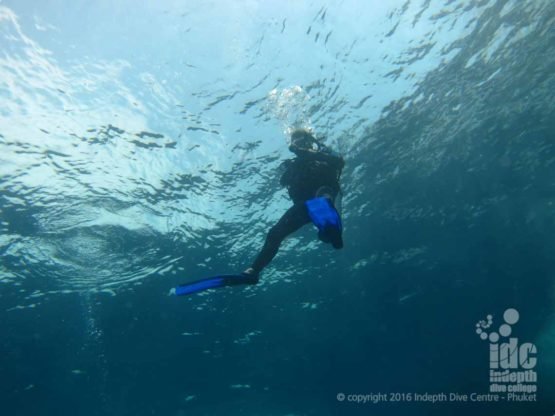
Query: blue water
column 140, row 145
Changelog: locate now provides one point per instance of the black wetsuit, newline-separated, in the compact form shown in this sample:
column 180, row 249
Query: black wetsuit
column 310, row 173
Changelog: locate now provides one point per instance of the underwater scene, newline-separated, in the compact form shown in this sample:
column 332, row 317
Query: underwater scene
column 277, row 208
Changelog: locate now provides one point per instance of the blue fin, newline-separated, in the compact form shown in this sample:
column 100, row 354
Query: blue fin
column 326, row 218
column 214, row 282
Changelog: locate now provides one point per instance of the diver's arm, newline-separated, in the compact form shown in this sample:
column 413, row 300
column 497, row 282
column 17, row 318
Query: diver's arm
column 286, row 175
column 322, row 153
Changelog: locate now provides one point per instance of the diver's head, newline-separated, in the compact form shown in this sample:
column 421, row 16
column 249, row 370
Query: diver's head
column 302, row 138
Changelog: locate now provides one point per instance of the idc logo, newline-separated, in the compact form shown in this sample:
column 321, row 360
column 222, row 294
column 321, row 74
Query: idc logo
column 511, row 362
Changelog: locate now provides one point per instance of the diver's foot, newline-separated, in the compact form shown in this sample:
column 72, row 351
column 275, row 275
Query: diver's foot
column 333, row 236
column 252, row 275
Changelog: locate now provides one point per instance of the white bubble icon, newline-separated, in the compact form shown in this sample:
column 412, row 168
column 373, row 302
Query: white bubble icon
column 511, row 316
column 505, row 330
column 494, row 337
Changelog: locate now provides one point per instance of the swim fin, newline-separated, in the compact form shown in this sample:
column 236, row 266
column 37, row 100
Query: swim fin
column 214, row 282
column 326, row 218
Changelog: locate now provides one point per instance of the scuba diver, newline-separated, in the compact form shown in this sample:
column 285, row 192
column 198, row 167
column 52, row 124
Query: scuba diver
column 312, row 181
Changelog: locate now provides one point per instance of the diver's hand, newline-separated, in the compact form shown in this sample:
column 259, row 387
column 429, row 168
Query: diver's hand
column 314, row 148
column 322, row 153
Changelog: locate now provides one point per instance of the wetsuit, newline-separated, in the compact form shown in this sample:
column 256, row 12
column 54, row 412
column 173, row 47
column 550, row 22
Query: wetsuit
column 312, row 173
column 312, row 180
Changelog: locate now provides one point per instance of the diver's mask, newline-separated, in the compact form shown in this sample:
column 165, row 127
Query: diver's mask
column 304, row 140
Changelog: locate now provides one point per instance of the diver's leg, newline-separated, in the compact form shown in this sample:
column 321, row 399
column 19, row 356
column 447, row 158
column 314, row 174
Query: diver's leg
column 291, row 221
